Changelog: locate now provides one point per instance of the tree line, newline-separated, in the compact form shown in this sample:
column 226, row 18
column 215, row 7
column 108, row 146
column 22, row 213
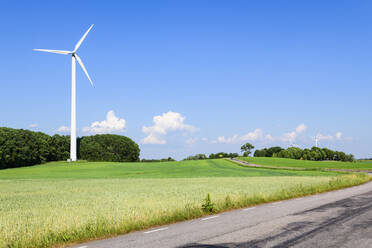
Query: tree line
column 246, row 149
column 315, row 154
column 20, row 147
column 169, row 159
column 212, row 156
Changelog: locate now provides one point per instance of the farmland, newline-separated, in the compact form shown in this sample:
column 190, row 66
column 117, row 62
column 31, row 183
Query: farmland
column 59, row 203
column 181, row 169
column 293, row 163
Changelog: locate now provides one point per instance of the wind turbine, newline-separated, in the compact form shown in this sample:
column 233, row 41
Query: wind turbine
column 316, row 139
column 75, row 57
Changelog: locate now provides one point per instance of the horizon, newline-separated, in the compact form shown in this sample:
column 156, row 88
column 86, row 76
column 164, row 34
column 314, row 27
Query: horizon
column 187, row 78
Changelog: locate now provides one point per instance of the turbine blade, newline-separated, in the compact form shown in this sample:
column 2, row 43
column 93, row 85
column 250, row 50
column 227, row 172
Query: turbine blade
column 53, row 51
column 82, row 38
column 83, row 67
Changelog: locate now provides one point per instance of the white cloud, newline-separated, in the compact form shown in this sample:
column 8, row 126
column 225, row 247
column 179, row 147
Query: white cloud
column 204, row 139
column 191, row 141
column 269, row 137
column 111, row 124
column 255, row 135
column 301, row 128
column 260, row 136
column 291, row 136
column 33, row 125
column 324, row 137
column 152, row 139
column 170, row 121
column 338, row 135
column 231, row 140
column 63, row 129
column 252, row 136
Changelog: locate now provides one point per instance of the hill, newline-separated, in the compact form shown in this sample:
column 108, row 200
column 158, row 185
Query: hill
column 296, row 163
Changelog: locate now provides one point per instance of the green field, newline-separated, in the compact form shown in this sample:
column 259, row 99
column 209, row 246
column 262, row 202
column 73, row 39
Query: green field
column 294, row 163
column 59, row 203
column 181, row 169
column 365, row 161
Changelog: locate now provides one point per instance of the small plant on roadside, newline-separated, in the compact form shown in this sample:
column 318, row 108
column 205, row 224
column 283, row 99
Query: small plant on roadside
column 228, row 202
column 208, row 205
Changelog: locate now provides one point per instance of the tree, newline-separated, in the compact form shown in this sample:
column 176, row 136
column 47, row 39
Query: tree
column 196, row 157
column 315, row 154
column 22, row 147
column 275, row 149
column 295, row 152
column 223, row 155
column 246, row 148
column 233, row 155
column 158, row 160
column 109, row 147
column 260, row 153
column 282, row 154
column 330, row 155
column 59, row 148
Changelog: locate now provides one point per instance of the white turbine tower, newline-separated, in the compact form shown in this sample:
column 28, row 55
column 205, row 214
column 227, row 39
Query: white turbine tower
column 75, row 57
column 316, row 139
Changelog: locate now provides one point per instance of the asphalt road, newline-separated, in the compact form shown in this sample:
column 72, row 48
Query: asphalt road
column 340, row 218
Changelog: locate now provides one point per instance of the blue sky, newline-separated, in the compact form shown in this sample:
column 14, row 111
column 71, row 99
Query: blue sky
column 213, row 74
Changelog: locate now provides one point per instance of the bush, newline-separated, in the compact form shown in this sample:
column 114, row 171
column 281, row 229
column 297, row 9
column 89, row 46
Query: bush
column 108, row 147
column 20, row 147
column 158, row 160
column 196, row 157
column 260, row 153
column 223, row 155
column 208, row 205
column 268, row 152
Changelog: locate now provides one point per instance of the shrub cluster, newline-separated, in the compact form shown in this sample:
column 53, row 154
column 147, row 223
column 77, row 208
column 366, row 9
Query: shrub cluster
column 212, row 156
column 267, row 152
column 197, row 157
column 19, row 147
column 158, row 160
column 315, row 153
column 223, row 155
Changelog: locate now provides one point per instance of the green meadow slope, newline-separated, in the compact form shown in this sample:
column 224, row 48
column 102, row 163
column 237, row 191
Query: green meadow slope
column 181, row 169
column 60, row 203
column 294, row 163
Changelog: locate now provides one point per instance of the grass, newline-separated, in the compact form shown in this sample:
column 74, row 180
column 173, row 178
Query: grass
column 365, row 161
column 60, row 203
column 294, row 163
column 181, row 169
